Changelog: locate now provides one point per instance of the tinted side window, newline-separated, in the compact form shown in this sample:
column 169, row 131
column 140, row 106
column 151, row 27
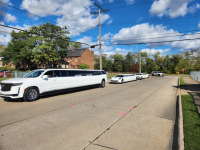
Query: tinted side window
column 49, row 73
column 63, row 73
column 103, row 72
column 71, row 73
column 56, row 73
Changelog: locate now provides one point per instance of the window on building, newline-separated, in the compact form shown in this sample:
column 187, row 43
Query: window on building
column 76, row 59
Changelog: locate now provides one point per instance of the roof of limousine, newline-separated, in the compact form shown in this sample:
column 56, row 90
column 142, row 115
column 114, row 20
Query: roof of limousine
column 66, row 69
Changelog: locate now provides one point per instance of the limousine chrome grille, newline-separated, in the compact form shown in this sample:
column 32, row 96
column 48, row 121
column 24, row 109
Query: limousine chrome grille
column 5, row 87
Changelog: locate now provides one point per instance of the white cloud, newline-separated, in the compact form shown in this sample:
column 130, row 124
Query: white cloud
column 110, row 1
column 5, row 37
column 6, row 1
column 199, row 24
column 10, row 18
column 198, row 5
column 187, row 44
column 73, row 14
column 144, row 33
column 153, row 51
column 129, row 2
column 172, row 8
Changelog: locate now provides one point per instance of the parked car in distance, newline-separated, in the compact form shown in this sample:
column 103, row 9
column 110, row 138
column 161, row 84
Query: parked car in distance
column 121, row 78
column 138, row 76
column 157, row 73
column 5, row 73
column 145, row 75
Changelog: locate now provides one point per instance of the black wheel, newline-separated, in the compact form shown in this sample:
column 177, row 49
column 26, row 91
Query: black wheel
column 152, row 74
column 158, row 74
column 122, row 81
column 148, row 77
column 102, row 84
column 135, row 79
column 31, row 94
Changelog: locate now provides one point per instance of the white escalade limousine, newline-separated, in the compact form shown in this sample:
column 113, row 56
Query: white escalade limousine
column 41, row 81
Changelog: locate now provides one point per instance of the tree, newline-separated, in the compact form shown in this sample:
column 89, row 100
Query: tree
column 46, row 44
column 75, row 45
column 20, row 51
column 83, row 66
column 118, row 62
column 52, row 44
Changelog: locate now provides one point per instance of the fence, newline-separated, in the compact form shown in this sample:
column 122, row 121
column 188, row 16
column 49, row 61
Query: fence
column 7, row 74
column 195, row 75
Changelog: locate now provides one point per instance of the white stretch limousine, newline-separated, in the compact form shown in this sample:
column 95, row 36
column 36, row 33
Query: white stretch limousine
column 121, row 78
column 40, row 81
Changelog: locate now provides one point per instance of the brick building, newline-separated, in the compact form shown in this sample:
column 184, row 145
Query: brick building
column 75, row 57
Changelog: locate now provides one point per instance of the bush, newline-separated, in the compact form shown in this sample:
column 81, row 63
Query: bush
column 83, row 66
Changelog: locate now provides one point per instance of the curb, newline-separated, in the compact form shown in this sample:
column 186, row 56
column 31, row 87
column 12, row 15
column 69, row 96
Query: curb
column 180, row 121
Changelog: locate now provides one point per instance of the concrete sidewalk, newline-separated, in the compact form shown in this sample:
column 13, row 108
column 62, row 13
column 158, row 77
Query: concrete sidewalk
column 192, row 88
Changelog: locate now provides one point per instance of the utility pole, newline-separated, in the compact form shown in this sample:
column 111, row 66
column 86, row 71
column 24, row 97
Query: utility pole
column 139, row 58
column 99, row 12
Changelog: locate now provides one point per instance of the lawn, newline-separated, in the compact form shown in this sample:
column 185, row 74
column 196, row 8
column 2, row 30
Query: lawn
column 1, row 79
column 182, row 83
column 191, row 124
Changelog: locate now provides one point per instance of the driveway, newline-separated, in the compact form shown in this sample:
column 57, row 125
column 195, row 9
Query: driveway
column 134, row 115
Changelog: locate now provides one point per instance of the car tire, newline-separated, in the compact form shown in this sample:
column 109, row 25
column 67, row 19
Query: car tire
column 135, row 79
column 103, row 84
column 152, row 74
column 122, row 81
column 158, row 74
column 31, row 94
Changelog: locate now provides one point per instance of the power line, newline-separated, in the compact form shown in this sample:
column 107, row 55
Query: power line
column 44, row 18
column 153, row 42
column 151, row 20
column 32, row 33
column 124, row 39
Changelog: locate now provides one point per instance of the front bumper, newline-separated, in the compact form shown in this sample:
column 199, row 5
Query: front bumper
column 115, row 81
column 14, row 93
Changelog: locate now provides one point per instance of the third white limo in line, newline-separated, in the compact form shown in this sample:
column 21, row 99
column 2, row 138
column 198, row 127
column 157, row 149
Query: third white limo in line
column 40, row 81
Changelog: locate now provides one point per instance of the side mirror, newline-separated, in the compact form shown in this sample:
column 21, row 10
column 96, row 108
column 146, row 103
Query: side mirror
column 45, row 77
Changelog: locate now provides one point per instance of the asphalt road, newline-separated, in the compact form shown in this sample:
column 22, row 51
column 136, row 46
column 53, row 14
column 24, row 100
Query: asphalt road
column 134, row 115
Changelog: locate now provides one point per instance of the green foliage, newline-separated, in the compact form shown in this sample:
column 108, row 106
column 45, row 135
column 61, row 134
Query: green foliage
column 191, row 123
column 75, row 45
column 83, row 66
column 6, row 68
column 46, row 44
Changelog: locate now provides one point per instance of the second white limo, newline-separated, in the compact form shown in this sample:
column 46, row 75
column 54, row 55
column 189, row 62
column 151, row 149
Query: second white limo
column 121, row 78
column 46, row 80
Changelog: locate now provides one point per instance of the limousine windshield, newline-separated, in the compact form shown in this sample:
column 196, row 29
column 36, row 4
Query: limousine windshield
column 33, row 74
column 119, row 76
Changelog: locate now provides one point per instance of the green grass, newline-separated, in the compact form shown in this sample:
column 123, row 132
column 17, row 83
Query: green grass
column 191, row 124
column 182, row 83
column 1, row 79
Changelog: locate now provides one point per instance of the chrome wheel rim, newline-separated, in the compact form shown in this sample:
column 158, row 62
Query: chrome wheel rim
column 32, row 94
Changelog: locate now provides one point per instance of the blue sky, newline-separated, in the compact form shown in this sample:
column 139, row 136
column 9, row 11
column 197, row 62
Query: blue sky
column 127, row 22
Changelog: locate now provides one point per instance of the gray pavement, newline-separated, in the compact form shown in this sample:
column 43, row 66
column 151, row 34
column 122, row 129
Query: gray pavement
column 134, row 115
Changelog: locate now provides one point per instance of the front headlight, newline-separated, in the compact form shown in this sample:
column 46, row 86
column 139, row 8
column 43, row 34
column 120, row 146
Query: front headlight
column 17, row 84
